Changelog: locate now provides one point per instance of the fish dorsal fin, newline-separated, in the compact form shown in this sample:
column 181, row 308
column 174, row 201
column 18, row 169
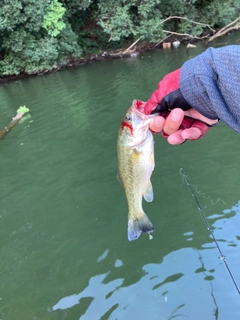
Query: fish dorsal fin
column 148, row 193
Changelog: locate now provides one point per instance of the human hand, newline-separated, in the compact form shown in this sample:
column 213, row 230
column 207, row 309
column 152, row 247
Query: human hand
column 178, row 129
column 178, row 121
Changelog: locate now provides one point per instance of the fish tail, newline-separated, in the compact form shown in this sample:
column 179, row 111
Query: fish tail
column 138, row 225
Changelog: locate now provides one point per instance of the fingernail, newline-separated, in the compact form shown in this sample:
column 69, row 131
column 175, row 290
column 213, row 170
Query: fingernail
column 176, row 115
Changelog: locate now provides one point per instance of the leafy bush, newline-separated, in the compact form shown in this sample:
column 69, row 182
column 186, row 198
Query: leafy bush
column 34, row 37
column 53, row 18
column 40, row 35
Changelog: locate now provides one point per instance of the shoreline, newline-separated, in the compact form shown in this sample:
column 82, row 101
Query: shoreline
column 105, row 55
column 122, row 53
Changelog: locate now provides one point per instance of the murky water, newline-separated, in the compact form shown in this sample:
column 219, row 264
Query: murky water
column 63, row 216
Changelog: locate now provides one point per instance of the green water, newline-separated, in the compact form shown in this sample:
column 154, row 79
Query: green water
column 64, row 252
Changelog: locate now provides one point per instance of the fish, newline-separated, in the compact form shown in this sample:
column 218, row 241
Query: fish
column 135, row 158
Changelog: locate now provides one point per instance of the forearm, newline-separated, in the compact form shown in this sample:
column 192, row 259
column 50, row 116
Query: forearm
column 210, row 84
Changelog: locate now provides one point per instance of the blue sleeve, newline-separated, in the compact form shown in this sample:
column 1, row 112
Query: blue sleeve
column 210, row 83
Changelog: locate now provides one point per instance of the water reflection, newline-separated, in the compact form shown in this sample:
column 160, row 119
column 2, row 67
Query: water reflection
column 164, row 292
column 189, row 283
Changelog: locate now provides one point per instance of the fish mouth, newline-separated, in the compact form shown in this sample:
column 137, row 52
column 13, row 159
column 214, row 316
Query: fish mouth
column 141, row 119
column 139, row 105
column 137, row 127
column 138, row 109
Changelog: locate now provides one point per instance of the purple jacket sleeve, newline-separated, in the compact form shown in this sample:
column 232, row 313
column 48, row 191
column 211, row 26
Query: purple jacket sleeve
column 210, row 83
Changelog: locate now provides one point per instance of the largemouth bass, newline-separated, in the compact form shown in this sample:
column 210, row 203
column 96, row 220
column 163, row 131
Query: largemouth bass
column 135, row 155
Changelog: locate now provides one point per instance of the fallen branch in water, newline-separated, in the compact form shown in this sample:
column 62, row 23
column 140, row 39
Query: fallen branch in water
column 234, row 25
column 133, row 44
column 159, row 42
column 20, row 113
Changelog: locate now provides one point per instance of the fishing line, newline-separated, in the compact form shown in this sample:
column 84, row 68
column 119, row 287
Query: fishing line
column 222, row 257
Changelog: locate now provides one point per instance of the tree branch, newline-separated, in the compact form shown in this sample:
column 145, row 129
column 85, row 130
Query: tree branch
column 185, row 34
column 125, row 51
column 162, row 40
column 226, row 29
column 183, row 18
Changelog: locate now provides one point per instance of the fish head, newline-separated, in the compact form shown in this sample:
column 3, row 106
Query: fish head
column 135, row 125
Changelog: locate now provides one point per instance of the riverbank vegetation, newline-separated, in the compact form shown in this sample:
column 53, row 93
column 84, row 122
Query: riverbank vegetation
column 43, row 35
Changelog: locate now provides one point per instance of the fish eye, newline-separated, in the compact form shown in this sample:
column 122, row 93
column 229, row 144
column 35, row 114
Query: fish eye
column 128, row 118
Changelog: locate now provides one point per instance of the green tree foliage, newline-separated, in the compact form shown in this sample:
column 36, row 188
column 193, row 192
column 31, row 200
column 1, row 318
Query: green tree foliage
column 40, row 35
column 130, row 18
column 28, row 47
column 74, row 6
column 53, row 18
column 219, row 13
column 141, row 18
column 14, row 13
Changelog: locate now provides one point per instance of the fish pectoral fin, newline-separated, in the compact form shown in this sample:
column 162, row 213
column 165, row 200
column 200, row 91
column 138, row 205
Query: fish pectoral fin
column 119, row 179
column 148, row 193
column 138, row 225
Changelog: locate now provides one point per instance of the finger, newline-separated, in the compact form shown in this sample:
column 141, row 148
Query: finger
column 191, row 133
column 195, row 114
column 176, row 138
column 173, row 121
column 157, row 124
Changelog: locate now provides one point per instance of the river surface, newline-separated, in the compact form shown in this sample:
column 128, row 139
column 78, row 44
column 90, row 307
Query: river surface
column 64, row 253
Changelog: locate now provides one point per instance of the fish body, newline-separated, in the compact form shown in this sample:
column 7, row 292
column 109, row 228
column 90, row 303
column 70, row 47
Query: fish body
column 135, row 155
